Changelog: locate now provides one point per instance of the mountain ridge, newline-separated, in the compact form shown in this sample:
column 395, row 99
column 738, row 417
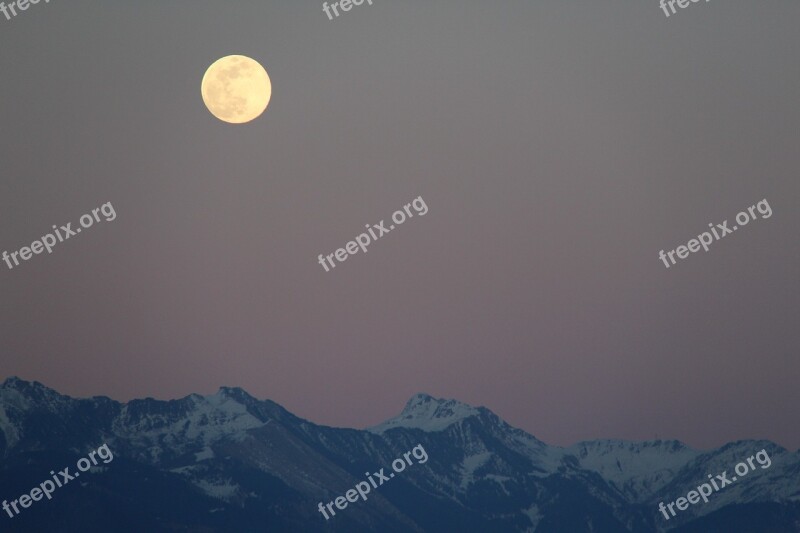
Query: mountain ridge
column 237, row 458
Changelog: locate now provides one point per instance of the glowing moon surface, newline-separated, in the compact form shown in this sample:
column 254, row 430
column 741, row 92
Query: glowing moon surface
column 236, row 89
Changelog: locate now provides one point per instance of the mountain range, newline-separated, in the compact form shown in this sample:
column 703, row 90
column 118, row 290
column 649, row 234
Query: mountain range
column 229, row 462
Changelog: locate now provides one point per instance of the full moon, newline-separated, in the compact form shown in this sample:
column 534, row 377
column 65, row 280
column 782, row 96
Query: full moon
column 236, row 89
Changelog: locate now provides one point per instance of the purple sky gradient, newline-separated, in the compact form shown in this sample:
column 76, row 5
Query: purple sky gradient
column 559, row 146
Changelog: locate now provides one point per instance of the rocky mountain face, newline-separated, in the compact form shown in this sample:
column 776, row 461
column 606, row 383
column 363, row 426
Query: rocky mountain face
column 230, row 462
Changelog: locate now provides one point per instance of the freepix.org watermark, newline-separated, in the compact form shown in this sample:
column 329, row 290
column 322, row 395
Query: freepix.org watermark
column 671, row 3
column 363, row 488
column 705, row 490
column 49, row 241
column 705, row 238
column 346, row 5
column 46, row 488
column 363, row 240
column 22, row 5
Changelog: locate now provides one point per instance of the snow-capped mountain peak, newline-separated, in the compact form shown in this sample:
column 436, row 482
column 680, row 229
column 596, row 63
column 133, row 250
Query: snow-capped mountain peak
column 428, row 414
column 232, row 459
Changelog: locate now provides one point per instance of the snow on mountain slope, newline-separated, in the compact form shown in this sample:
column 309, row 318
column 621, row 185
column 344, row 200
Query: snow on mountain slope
column 470, row 465
column 8, row 428
column 198, row 420
column 435, row 415
column 653, row 471
column 638, row 470
column 189, row 425
column 428, row 414
column 252, row 454
column 777, row 480
column 18, row 397
column 634, row 468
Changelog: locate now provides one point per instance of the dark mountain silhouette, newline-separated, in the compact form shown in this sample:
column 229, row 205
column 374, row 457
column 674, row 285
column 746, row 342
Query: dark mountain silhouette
column 230, row 462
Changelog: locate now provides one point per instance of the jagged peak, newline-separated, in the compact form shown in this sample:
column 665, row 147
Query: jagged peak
column 233, row 391
column 15, row 382
column 425, row 403
column 427, row 413
column 27, row 388
column 235, row 394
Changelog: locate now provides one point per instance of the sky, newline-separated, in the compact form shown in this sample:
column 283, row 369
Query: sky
column 559, row 146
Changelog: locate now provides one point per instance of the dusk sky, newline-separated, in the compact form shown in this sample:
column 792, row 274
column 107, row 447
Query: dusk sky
column 559, row 146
